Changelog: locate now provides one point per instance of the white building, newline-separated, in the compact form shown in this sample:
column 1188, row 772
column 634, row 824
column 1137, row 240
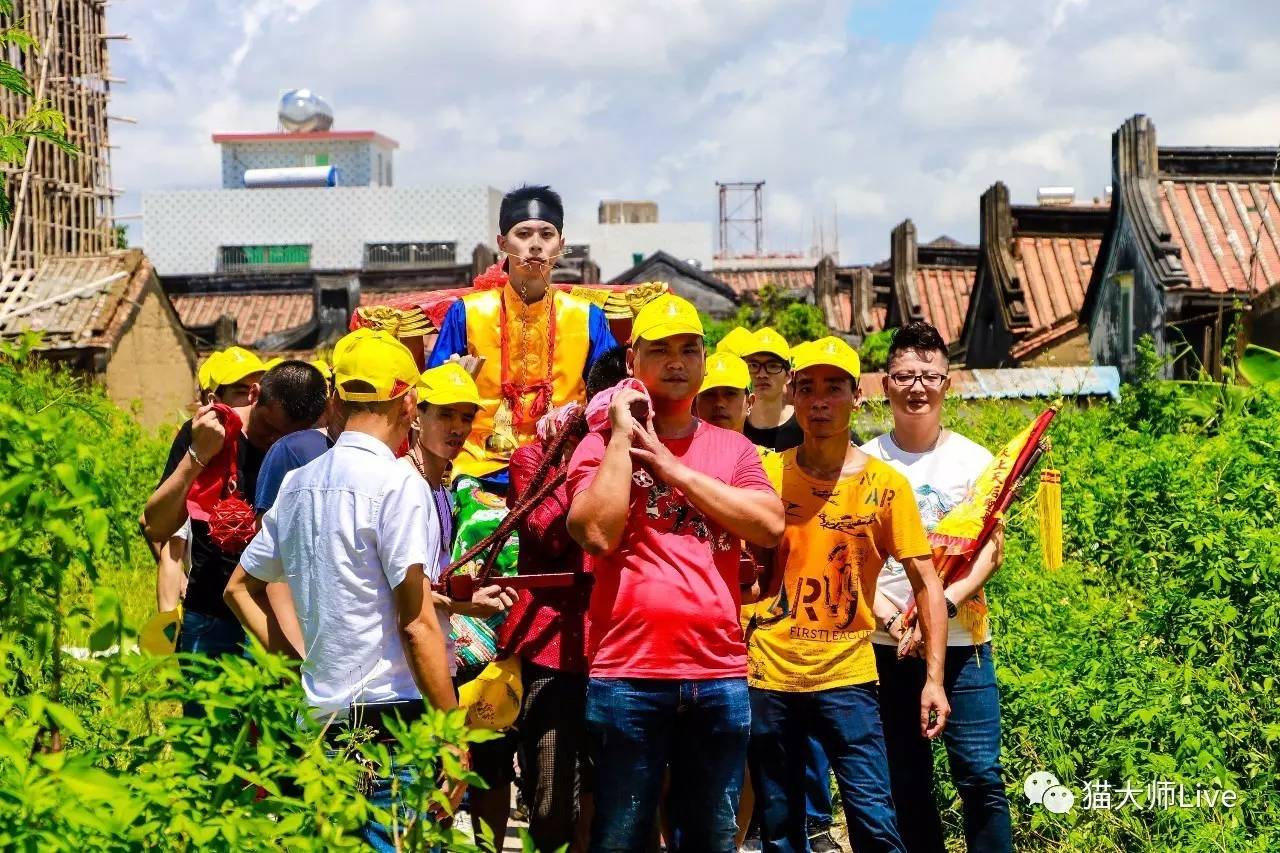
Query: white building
column 365, row 222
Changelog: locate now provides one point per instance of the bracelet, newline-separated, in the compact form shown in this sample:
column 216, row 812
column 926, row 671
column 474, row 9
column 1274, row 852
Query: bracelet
column 191, row 451
column 894, row 618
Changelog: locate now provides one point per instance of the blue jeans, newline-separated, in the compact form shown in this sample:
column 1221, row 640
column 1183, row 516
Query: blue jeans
column 209, row 636
column 846, row 723
column 380, row 794
column 972, row 740
column 639, row 726
column 817, row 801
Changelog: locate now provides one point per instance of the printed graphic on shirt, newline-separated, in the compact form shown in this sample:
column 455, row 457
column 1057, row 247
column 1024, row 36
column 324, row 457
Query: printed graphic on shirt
column 812, row 634
column 669, row 512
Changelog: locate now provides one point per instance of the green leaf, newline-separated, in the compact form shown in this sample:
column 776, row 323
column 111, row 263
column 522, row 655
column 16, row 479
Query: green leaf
column 1261, row 366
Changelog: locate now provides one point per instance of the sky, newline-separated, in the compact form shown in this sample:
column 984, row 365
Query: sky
column 856, row 114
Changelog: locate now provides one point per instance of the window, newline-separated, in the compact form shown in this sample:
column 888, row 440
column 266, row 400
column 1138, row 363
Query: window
column 401, row 255
column 315, row 160
column 265, row 257
column 1124, row 286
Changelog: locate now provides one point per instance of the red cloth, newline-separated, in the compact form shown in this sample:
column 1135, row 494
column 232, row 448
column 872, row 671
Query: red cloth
column 546, row 627
column 665, row 604
column 211, row 484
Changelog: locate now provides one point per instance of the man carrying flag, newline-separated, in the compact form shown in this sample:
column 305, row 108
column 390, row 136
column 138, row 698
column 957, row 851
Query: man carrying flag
column 942, row 467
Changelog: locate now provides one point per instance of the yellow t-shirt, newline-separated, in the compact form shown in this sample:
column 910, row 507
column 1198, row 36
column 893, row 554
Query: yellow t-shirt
column 814, row 634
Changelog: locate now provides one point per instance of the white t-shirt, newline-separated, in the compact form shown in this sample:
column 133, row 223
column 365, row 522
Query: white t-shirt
column 442, row 613
column 941, row 478
column 343, row 533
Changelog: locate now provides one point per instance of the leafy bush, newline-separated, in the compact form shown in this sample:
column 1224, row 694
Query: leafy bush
column 795, row 321
column 92, row 755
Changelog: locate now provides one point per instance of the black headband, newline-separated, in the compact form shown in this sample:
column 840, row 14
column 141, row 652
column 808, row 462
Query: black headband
column 515, row 211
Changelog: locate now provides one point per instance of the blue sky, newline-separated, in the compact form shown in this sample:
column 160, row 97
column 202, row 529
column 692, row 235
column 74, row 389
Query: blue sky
column 875, row 111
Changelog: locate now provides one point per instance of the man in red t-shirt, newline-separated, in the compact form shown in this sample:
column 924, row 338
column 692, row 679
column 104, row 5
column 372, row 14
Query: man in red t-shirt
column 660, row 504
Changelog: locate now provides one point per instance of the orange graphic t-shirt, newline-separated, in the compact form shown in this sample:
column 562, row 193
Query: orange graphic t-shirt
column 815, row 633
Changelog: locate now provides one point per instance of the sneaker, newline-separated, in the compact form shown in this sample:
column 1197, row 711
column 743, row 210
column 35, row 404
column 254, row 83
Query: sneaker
column 751, row 845
column 824, row 842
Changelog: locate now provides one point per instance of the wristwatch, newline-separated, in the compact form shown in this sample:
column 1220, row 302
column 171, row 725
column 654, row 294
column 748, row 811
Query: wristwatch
column 952, row 610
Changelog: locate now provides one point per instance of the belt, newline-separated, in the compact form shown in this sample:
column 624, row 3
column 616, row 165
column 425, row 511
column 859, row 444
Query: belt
column 376, row 716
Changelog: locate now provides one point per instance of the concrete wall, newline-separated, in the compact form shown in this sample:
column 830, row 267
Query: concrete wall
column 613, row 246
column 359, row 162
column 183, row 230
column 150, row 365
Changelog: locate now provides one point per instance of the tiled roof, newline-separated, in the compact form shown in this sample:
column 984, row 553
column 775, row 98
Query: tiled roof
column 1215, row 223
column 1054, row 272
column 257, row 315
column 752, row 280
column 80, row 302
column 944, row 298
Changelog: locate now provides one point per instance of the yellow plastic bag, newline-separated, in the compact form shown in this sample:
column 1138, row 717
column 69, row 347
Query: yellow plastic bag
column 493, row 698
column 160, row 635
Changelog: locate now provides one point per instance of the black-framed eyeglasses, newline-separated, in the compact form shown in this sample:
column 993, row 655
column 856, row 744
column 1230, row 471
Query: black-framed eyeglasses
column 927, row 380
column 773, row 368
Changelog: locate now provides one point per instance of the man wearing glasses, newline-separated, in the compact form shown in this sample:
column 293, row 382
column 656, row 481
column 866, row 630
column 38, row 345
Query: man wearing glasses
column 941, row 466
column 772, row 421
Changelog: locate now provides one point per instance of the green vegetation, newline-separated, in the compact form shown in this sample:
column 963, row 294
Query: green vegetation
column 92, row 754
column 795, row 321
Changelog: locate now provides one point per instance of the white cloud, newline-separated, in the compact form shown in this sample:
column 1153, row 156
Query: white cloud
column 662, row 98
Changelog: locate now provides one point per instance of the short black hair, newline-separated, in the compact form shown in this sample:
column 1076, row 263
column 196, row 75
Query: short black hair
column 608, row 370
column 517, row 205
column 299, row 388
column 917, row 337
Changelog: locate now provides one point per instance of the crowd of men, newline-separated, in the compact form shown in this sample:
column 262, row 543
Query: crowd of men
column 739, row 627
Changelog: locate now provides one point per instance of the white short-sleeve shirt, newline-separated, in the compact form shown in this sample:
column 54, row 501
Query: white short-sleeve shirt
column 940, row 478
column 343, row 533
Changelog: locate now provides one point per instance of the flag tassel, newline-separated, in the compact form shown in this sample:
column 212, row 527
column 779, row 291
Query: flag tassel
column 1050, row 500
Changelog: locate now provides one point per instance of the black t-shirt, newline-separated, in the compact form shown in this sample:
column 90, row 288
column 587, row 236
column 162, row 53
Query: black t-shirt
column 778, row 438
column 211, row 568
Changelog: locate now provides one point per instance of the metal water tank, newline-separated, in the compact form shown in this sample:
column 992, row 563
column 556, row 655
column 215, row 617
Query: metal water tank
column 303, row 111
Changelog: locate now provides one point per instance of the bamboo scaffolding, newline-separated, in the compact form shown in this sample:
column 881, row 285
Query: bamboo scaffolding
column 62, row 203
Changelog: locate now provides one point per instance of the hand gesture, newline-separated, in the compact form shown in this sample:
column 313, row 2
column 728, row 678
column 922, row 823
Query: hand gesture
column 624, row 410
column 910, row 642
column 935, row 710
column 453, row 789
column 489, row 600
column 207, row 433
column 648, row 450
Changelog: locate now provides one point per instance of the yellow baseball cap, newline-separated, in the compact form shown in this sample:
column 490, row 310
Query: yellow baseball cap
column 205, row 374
column 725, row 370
column 375, row 358
column 232, row 365
column 448, row 384
column 830, row 351
column 666, row 316
column 273, row 362
column 323, row 366
column 767, row 340
column 737, row 342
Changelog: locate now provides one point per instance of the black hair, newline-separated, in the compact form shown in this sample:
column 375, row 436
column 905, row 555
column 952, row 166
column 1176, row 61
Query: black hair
column 609, row 369
column 917, row 337
column 299, row 388
column 530, row 202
